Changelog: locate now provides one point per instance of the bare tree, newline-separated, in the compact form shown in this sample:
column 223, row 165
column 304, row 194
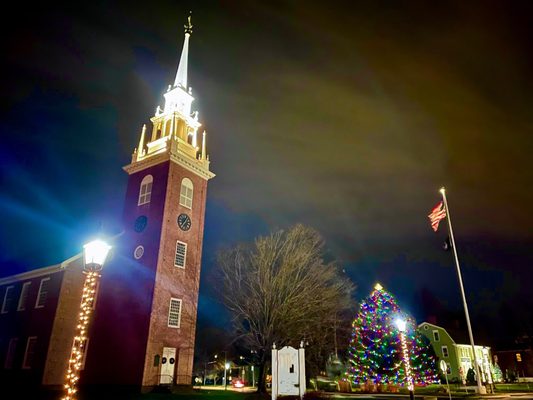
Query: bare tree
column 279, row 290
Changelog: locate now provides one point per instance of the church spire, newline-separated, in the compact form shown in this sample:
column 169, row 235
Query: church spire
column 181, row 76
column 175, row 127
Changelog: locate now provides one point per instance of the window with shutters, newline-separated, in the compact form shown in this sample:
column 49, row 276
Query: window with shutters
column 23, row 299
column 181, row 254
column 174, row 313
column 42, row 295
column 186, row 193
column 10, row 354
column 145, row 192
column 8, row 299
column 29, row 354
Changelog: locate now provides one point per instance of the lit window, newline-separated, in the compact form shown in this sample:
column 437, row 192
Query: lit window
column 436, row 336
column 25, row 291
column 445, row 351
column 186, row 193
column 145, row 192
column 43, row 293
column 10, row 355
column 174, row 313
column 181, row 254
column 29, row 354
column 8, row 299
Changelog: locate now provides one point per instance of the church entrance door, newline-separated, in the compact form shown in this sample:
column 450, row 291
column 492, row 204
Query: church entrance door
column 168, row 364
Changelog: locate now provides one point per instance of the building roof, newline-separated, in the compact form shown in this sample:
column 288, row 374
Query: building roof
column 40, row 271
column 454, row 334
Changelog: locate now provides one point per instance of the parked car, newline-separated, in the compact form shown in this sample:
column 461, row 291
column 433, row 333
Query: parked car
column 237, row 383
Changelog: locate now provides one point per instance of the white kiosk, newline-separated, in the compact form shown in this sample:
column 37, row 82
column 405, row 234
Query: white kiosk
column 288, row 371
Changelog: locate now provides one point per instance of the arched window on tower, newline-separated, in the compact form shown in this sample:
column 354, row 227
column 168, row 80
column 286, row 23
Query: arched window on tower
column 186, row 193
column 145, row 192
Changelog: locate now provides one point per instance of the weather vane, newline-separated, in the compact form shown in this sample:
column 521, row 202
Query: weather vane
column 188, row 26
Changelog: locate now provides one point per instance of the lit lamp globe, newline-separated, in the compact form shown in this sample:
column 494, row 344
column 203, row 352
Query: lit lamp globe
column 401, row 324
column 95, row 253
column 227, row 365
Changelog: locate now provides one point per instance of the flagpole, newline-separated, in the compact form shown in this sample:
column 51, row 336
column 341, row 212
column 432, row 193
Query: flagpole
column 481, row 388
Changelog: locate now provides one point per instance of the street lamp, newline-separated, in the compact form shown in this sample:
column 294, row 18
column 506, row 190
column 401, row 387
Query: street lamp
column 401, row 324
column 226, row 367
column 205, row 370
column 253, row 372
column 253, row 377
column 94, row 255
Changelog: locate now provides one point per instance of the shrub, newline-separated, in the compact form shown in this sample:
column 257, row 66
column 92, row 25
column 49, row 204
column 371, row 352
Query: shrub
column 315, row 395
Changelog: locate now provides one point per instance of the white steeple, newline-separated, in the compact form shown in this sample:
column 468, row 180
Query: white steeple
column 181, row 76
column 175, row 127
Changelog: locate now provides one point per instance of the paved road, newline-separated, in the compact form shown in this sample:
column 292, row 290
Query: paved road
column 391, row 396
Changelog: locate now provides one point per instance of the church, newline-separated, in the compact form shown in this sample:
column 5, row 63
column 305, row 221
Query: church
column 143, row 324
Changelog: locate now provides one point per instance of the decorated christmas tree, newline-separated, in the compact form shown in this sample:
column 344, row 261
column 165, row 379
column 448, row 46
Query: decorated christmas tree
column 423, row 360
column 497, row 375
column 375, row 352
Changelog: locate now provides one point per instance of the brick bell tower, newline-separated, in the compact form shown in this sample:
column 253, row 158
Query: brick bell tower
column 167, row 189
column 145, row 318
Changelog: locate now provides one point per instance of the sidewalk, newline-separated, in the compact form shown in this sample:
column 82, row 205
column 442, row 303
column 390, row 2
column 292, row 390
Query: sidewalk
column 455, row 396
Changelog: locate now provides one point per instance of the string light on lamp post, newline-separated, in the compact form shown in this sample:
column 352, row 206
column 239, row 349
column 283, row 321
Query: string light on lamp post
column 401, row 324
column 95, row 254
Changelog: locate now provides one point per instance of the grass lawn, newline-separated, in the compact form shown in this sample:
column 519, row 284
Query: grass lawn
column 514, row 387
column 117, row 394
column 202, row 394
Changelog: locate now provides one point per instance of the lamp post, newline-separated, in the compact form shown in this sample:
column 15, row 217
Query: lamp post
column 226, row 367
column 253, row 372
column 95, row 254
column 401, row 324
column 250, row 368
column 205, row 369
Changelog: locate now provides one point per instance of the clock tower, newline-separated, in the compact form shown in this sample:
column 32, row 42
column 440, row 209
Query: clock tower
column 146, row 319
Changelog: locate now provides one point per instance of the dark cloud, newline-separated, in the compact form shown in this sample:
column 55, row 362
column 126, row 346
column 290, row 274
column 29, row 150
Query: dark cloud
column 347, row 116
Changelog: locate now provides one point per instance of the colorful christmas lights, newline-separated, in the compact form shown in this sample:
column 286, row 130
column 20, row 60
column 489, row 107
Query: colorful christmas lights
column 376, row 352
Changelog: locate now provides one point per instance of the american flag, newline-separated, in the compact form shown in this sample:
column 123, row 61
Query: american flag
column 437, row 214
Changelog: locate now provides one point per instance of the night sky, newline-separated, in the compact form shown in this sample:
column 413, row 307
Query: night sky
column 347, row 117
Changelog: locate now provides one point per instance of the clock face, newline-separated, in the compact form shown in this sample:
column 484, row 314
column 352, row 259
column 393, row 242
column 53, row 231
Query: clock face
column 184, row 222
column 140, row 223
